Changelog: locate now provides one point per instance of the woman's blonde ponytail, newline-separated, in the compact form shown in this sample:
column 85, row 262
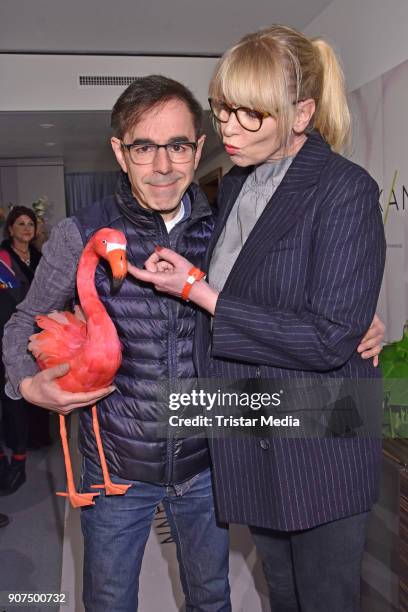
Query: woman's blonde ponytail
column 332, row 117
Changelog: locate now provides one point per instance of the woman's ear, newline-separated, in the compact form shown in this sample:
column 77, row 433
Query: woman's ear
column 304, row 113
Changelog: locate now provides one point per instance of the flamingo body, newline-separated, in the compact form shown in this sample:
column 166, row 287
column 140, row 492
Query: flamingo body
column 93, row 355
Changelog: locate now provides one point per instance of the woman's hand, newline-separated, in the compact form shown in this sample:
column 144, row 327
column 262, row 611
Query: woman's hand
column 371, row 344
column 168, row 272
column 165, row 269
column 155, row 264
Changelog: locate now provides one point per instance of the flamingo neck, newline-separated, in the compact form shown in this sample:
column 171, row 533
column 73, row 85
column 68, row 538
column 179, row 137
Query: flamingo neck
column 88, row 296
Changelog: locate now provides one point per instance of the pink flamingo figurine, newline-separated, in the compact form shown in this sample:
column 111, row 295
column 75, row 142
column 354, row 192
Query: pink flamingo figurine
column 89, row 343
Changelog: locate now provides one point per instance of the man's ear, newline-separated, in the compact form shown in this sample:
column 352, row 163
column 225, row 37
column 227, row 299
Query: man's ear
column 199, row 150
column 119, row 154
column 304, row 113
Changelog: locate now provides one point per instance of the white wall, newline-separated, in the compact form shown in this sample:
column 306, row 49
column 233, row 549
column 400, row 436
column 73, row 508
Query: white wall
column 41, row 82
column 23, row 181
column 370, row 35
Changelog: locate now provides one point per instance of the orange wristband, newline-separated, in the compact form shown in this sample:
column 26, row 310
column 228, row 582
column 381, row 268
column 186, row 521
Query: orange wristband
column 194, row 274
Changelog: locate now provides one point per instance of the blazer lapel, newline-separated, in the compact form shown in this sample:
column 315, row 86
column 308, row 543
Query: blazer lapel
column 232, row 185
column 292, row 199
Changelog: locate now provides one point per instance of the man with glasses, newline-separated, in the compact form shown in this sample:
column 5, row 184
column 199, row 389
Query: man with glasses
column 157, row 142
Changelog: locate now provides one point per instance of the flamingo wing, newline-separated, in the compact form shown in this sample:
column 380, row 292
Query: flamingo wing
column 61, row 340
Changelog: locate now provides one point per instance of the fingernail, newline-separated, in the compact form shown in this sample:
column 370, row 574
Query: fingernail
column 158, row 248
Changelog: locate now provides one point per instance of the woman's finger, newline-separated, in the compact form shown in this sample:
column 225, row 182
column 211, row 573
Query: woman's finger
column 164, row 266
column 172, row 257
column 374, row 335
column 132, row 270
column 143, row 275
column 366, row 345
column 152, row 262
column 371, row 353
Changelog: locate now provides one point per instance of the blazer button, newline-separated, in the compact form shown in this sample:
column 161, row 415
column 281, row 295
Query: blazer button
column 264, row 444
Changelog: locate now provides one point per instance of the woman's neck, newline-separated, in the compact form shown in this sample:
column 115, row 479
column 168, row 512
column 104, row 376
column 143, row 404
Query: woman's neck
column 293, row 147
column 20, row 246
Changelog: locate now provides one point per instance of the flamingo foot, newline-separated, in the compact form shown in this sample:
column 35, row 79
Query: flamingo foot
column 112, row 488
column 79, row 499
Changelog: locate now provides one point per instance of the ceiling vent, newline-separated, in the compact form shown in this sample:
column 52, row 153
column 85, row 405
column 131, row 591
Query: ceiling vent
column 106, row 81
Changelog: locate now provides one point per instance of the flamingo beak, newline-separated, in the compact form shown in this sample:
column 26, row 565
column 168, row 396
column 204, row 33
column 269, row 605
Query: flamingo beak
column 118, row 264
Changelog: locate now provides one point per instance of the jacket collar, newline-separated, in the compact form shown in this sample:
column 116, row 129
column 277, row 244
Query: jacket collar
column 303, row 174
column 195, row 202
column 306, row 168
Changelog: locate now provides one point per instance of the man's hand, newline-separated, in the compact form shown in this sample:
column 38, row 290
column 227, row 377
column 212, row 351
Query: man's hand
column 371, row 344
column 43, row 390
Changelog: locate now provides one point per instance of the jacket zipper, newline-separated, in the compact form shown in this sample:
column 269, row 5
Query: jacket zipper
column 172, row 345
column 172, row 355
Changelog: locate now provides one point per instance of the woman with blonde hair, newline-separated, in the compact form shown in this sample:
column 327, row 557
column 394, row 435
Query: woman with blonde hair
column 294, row 273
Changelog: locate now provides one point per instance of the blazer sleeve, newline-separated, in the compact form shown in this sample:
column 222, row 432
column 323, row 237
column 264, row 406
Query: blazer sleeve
column 52, row 287
column 347, row 263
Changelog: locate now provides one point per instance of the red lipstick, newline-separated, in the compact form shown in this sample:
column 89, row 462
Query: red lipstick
column 230, row 149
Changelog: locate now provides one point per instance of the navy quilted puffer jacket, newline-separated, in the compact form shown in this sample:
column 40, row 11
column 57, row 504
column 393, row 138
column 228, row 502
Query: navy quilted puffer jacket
column 156, row 331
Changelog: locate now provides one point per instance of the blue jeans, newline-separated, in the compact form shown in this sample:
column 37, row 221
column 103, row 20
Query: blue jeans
column 116, row 530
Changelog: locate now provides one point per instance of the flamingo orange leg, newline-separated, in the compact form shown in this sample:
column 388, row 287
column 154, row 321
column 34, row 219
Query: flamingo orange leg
column 110, row 487
column 76, row 499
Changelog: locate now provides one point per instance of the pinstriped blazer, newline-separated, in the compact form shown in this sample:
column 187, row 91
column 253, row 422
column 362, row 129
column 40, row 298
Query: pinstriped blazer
column 299, row 298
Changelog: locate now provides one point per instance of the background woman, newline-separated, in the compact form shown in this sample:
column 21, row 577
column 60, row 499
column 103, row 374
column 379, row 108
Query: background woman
column 22, row 422
column 295, row 268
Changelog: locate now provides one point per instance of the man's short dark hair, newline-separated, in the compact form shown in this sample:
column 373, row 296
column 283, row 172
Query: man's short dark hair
column 149, row 92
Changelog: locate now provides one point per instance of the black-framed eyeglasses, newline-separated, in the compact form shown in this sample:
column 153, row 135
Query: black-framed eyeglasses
column 248, row 118
column 178, row 152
